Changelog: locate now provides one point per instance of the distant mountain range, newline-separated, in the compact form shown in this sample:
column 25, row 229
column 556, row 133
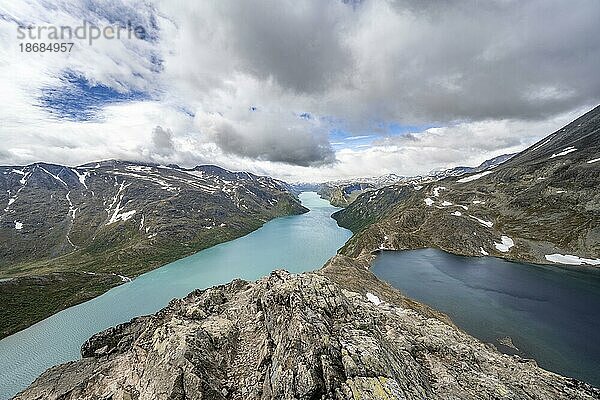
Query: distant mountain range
column 343, row 192
column 542, row 205
column 68, row 234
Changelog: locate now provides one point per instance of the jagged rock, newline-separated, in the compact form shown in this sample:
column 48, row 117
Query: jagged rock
column 307, row 336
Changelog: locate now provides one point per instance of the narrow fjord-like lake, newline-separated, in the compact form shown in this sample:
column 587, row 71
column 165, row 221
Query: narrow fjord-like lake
column 296, row 243
column 552, row 314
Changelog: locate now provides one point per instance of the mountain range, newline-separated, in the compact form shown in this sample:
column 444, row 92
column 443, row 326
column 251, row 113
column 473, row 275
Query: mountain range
column 541, row 206
column 343, row 192
column 68, row 234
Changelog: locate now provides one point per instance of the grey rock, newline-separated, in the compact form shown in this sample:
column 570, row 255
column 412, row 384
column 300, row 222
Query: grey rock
column 307, row 336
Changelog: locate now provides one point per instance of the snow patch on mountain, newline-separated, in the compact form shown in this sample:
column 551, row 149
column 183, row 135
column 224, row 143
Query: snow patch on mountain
column 81, row 176
column 571, row 259
column 506, row 244
column 474, row 177
column 436, row 190
column 373, row 298
column 565, row 151
column 483, row 222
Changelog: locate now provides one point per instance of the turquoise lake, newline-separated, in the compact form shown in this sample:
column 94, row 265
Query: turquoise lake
column 296, row 243
column 552, row 314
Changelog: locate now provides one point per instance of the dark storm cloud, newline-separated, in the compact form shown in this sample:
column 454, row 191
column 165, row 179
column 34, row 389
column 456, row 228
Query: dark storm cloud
column 299, row 45
column 364, row 63
column 297, row 148
column 415, row 60
column 481, row 60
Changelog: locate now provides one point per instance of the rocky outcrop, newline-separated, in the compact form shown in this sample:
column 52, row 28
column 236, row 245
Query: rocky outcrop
column 535, row 207
column 335, row 334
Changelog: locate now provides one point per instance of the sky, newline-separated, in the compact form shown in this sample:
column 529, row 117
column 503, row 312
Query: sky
column 302, row 90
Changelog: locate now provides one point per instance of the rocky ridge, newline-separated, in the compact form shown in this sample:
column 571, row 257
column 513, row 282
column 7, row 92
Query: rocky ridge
column 335, row 334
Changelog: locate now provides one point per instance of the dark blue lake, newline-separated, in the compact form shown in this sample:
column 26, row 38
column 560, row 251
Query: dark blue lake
column 552, row 314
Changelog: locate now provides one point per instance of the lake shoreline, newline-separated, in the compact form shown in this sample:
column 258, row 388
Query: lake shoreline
column 440, row 294
column 298, row 243
column 33, row 288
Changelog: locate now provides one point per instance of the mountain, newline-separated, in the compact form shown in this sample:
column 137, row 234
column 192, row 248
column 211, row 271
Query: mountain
column 458, row 171
column 341, row 193
column 338, row 333
column 542, row 205
column 494, row 162
column 68, row 234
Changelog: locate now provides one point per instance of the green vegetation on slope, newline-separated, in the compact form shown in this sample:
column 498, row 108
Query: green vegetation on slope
column 62, row 257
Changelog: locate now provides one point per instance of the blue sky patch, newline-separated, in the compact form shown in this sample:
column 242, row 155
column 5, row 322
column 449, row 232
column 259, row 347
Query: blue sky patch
column 398, row 129
column 77, row 99
column 342, row 139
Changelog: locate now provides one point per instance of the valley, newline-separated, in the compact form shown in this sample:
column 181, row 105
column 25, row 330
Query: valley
column 540, row 206
column 297, row 243
column 299, row 200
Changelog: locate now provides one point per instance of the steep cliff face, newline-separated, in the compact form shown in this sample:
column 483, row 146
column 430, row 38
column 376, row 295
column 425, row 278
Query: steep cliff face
column 543, row 205
column 335, row 334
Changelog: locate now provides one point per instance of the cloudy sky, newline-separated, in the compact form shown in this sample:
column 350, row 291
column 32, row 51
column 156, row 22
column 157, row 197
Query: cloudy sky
column 301, row 90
